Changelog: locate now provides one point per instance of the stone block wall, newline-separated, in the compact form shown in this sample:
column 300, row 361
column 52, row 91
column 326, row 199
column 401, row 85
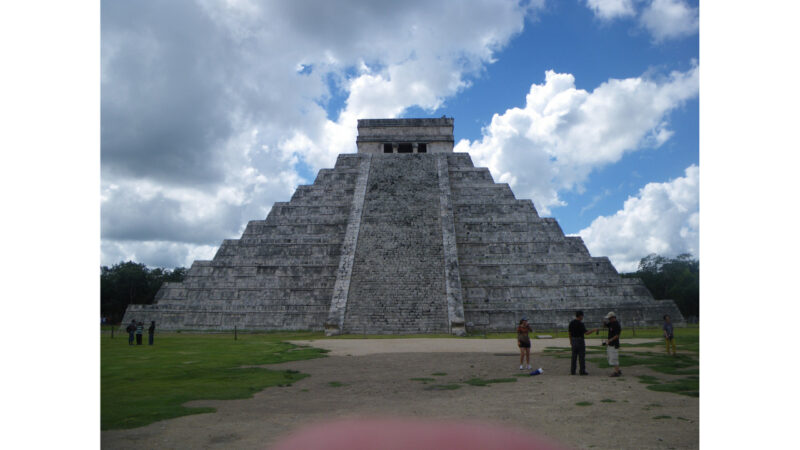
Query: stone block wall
column 279, row 275
column 401, row 243
column 514, row 263
column 397, row 284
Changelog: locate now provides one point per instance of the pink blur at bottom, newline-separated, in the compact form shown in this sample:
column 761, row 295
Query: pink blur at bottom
column 396, row 434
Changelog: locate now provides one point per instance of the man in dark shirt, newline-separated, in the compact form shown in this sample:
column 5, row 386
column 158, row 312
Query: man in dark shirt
column 612, row 349
column 577, row 330
column 131, row 329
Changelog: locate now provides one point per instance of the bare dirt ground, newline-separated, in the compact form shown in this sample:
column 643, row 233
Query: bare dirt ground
column 376, row 380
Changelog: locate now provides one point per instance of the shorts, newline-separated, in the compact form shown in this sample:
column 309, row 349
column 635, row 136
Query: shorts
column 521, row 344
column 613, row 355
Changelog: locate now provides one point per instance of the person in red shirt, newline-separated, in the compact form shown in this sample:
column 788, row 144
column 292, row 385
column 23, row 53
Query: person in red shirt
column 524, row 343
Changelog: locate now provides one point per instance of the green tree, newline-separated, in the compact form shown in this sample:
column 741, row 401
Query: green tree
column 672, row 278
column 128, row 283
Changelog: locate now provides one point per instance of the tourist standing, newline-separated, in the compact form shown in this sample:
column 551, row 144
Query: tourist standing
column 139, row 330
column 150, row 332
column 612, row 349
column 131, row 328
column 577, row 330
column 524, row 343
column 669, row 336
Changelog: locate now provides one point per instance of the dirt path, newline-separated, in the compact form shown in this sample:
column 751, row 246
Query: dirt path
column 362, row 347
column 377, row 381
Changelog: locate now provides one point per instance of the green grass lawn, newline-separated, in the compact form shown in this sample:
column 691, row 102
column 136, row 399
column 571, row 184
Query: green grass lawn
column 140, row 385
column 143, row 384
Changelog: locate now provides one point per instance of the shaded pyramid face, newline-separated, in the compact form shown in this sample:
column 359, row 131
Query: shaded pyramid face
column 401, row 243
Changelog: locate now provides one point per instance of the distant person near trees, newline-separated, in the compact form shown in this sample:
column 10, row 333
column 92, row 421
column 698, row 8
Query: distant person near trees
column 612, row 349
column 131, row 328
column 669, row 336
column 577, row 331
column 524, row 343
column 139, row 330
column 150, row 332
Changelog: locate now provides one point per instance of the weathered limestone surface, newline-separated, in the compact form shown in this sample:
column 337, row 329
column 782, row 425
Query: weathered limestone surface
column 398, row 278
column 341, row 289
column 401, row 243
column 279, row 275
column 452, row 277
column 436, row 133
column 514, row 263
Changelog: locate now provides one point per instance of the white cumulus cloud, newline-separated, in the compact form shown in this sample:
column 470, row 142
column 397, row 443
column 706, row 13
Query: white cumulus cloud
column 610, row 9
column 667, row 19
column 210, row 109
column 663, row 219
column 563, row 133
column 663, row 19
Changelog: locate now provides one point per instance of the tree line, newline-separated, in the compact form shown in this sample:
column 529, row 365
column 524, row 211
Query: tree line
column 128, row 282
column 672, row 278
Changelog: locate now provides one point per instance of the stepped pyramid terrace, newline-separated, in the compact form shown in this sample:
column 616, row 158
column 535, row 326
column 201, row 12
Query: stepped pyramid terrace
column 404, row 236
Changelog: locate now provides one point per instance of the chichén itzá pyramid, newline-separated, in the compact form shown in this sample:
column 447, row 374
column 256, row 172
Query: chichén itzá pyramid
column 404, row 236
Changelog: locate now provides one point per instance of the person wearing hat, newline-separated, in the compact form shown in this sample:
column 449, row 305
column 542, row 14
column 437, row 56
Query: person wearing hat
column 612, row 344
column 524, row 342
column 577, row 330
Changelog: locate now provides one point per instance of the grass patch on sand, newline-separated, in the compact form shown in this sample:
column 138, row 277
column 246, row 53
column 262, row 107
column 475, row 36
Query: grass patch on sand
column 583, row 404
column 662, row 417
column 336, row 384
column 443, row 387
column 648, row 379
column 684, row 386
column 439, row 374
column 142, row 384
column 608, row 400
column 424, row 380
column 660, row 362
column 689, row 386
column 482, row 382
column 686, row 365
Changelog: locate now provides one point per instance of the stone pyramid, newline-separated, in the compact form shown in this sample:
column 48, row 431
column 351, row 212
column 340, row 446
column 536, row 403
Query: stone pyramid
column 404, row 236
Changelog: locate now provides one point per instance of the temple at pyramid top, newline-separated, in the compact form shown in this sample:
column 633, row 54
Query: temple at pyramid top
column 405, row 135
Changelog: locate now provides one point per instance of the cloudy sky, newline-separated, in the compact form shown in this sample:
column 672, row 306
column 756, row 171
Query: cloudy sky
column 210, row 108
column 211, row 111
